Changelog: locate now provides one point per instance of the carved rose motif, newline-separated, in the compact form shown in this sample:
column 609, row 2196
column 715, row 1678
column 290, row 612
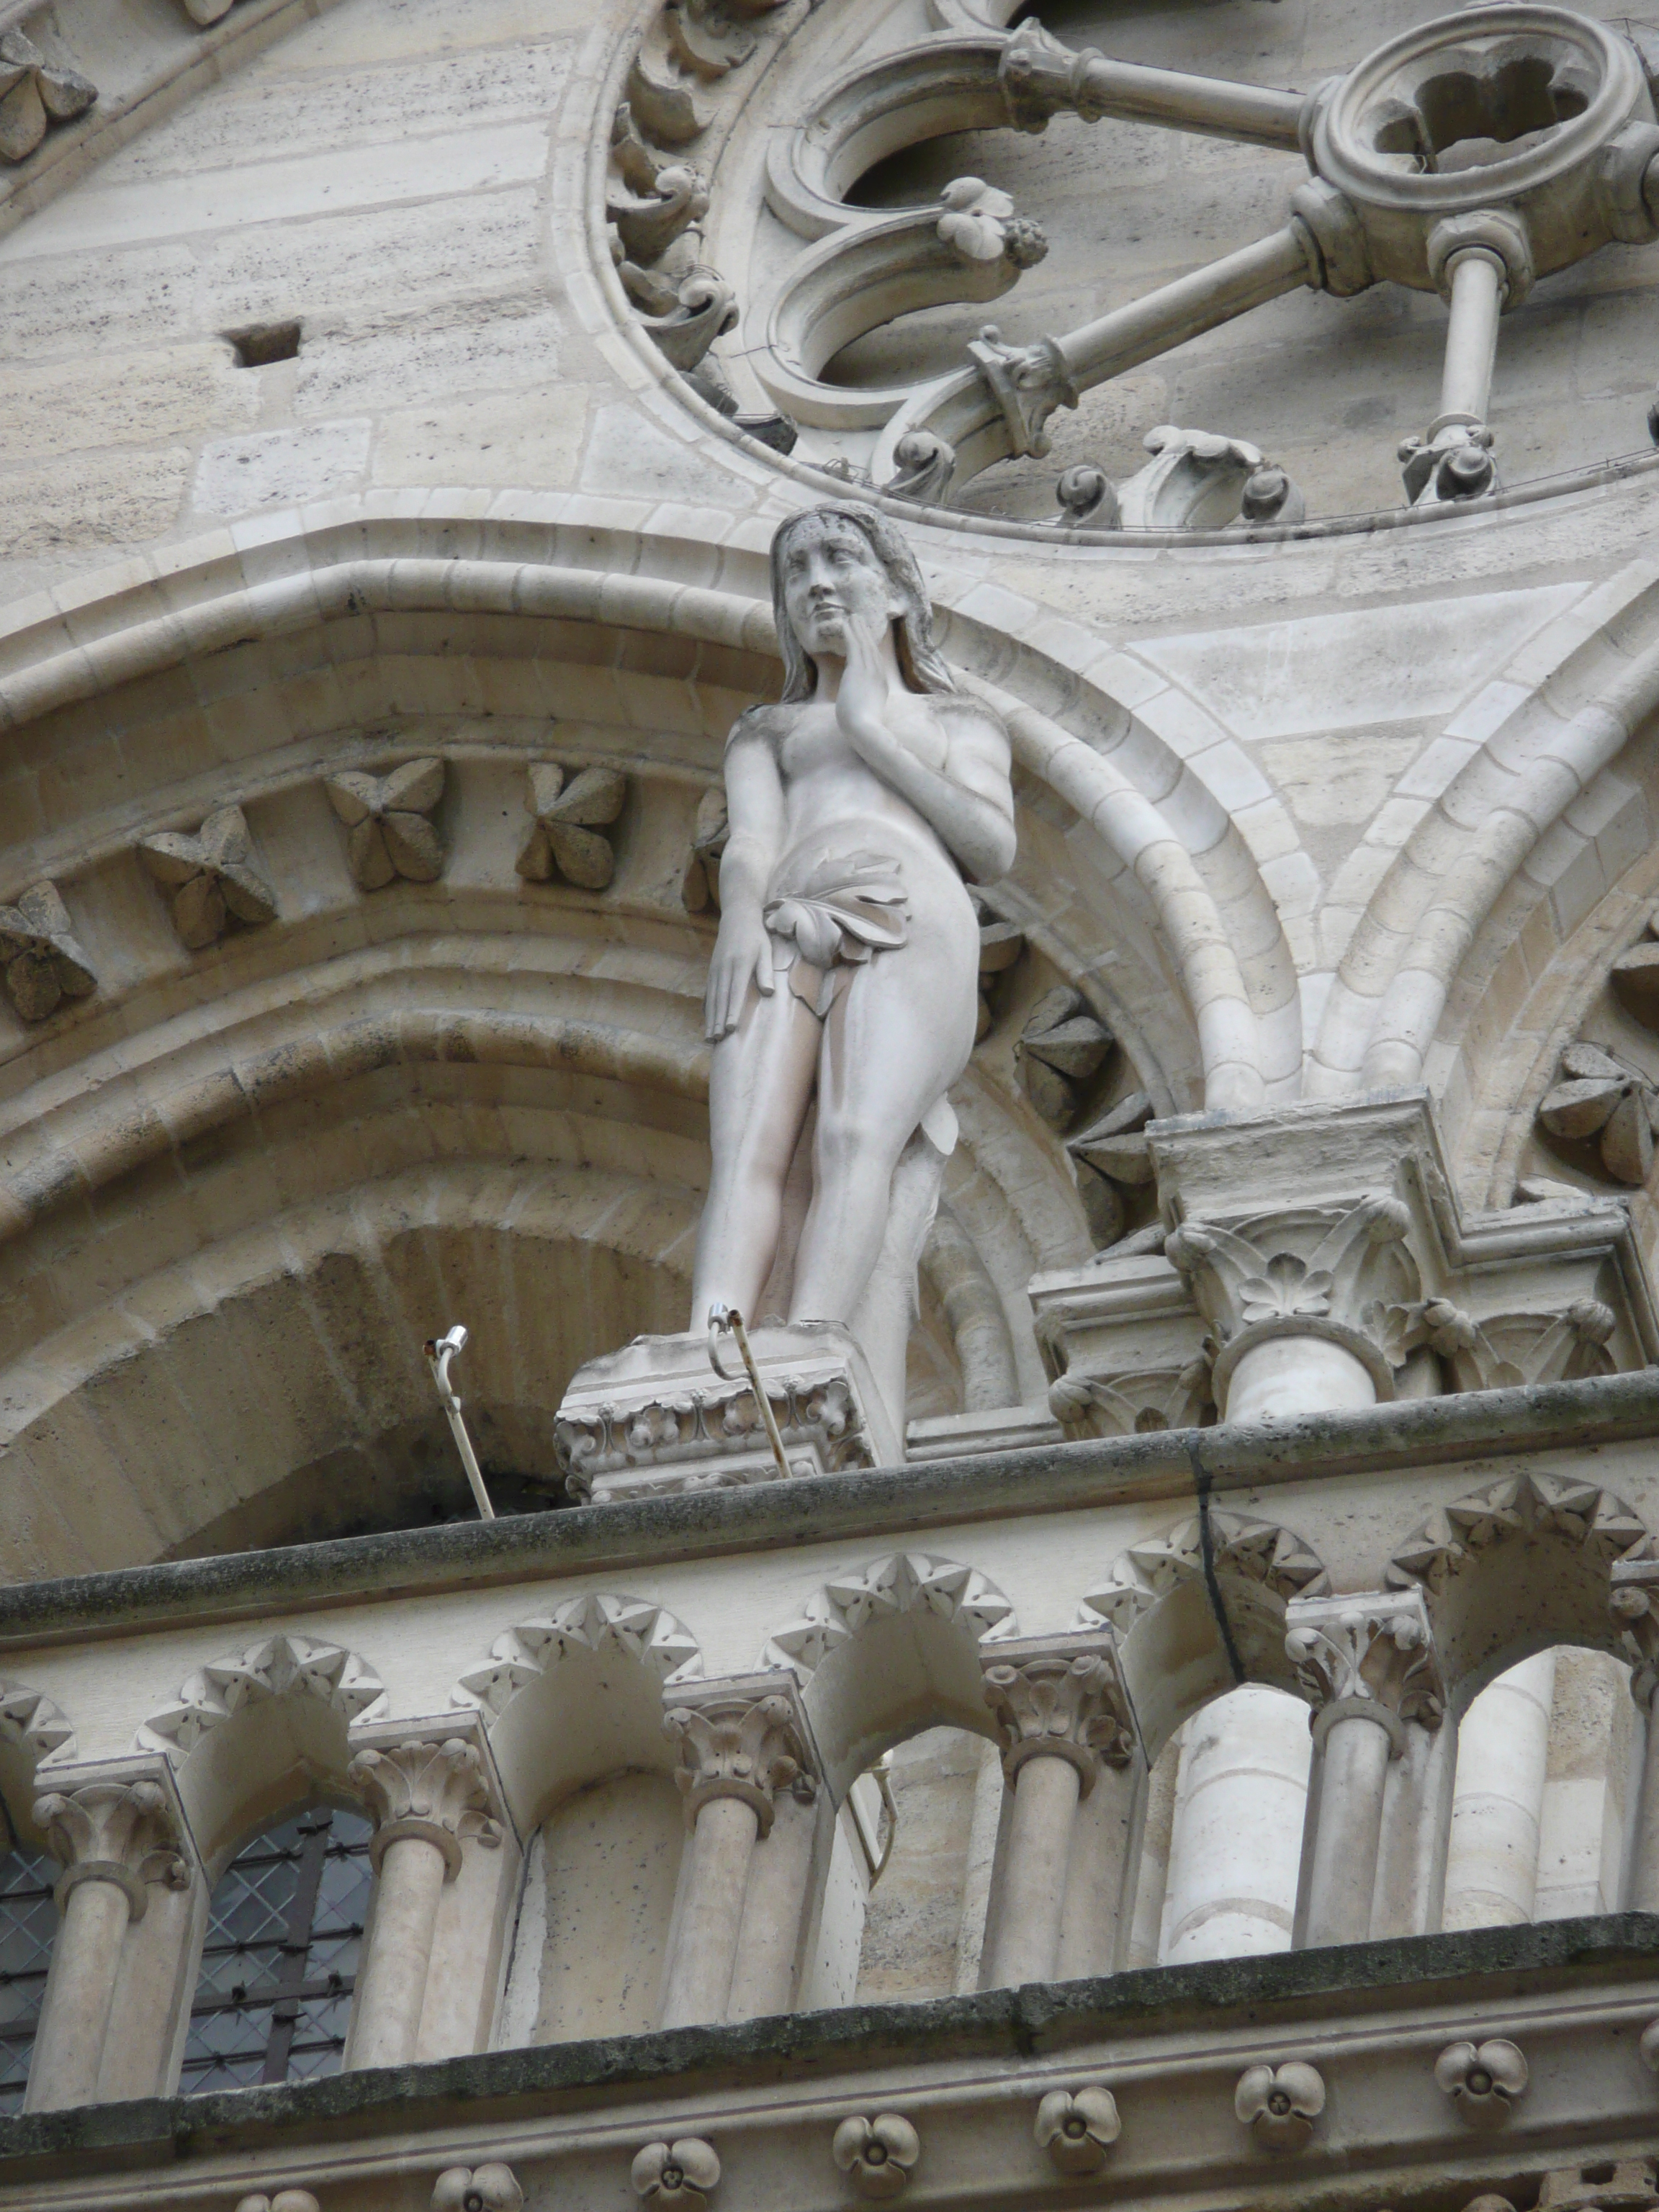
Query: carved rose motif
column 877, row 2154
column 678, row 2175
column 1279, row 2103
column 476, row 2189
column 1483, row 2079
column 1076, row 2126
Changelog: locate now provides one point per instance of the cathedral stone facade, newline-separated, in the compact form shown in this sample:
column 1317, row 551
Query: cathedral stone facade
column 829, row 1071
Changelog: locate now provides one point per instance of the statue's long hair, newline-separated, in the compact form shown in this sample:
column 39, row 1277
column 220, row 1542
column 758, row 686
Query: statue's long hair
column 919, row 659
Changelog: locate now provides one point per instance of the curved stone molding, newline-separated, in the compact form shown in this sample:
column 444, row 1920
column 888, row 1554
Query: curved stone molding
column 1247, row 1550
column 641, row 1633
column 1591, row 1520
column 35, row 1725
column 905, row 1581
column 282, row 1665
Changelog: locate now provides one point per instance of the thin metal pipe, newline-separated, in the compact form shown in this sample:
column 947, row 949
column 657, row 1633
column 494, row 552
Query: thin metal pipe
column 438, row 1354
column 728, row 1317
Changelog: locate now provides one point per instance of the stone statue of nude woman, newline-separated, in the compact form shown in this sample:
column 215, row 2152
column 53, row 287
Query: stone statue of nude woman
column 847, row 964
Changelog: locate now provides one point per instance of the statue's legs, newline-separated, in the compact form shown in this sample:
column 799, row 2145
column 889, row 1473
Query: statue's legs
column 895, row 1040
column 760, row 1086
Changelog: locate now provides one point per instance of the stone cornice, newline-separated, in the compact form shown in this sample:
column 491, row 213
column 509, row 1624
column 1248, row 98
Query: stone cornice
column 1490, row 1425
column 1563, row 1964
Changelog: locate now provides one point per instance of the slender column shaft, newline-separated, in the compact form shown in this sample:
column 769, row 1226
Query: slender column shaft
column 1236, row 1843
column 1343, row 1875
column 1478, row 286
column 711, row 1913
column 773, row 1904
column 1185, row 309
column 74, row 2021
column 1027, row 1948
column 1491, row 1871
column 392, row 1988
column 1644, row 1873
column 1208, row 105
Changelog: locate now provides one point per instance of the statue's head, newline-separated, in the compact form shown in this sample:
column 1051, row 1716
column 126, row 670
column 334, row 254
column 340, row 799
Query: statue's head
column 871, row 563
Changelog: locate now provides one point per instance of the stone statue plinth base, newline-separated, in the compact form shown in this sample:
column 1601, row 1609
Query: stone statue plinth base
column 656, row 1418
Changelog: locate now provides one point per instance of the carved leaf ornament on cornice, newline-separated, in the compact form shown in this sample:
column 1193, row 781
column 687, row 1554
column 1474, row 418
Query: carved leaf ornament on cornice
column 1455, row 1537
column 643, row 1633
column 1374, row 209
column 281, row 1666
column 909, row 1581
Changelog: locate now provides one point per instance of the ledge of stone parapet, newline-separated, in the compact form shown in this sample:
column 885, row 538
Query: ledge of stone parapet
column 1474, row 1969
column 901, row 1502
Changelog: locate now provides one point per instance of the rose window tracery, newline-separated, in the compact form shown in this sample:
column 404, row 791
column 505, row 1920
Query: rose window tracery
column 1465, row 159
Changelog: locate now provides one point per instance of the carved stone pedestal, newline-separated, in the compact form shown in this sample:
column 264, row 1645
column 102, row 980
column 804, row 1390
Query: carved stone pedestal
column 657, row 1418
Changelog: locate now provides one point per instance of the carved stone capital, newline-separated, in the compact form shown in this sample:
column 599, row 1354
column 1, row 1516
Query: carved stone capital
column 744, row 1737
column 124, row 1830
column 1371, row 1656
column 1634, row 1604
column 440, row 1788
column 1059, row 1698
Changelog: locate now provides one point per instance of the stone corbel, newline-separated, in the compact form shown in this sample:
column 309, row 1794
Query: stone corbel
column 40, row 959
column 1060, row 1697
column 1027, row 382
column 746, row 1736
column 1371, row 1656
column 432, row 1780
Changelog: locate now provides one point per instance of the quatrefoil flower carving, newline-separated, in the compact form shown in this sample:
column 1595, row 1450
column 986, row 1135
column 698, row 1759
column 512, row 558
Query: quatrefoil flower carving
column 678, row 2176
column 209, row 879
column 492, row 2188
column 1279, row 2103
column 1078, row 2127
column 388, row 834
column 1483, row 2079
column 877, row 2154
column 40, row 962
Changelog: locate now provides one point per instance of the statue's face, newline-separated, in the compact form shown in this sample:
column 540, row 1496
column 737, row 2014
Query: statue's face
column 832, row 577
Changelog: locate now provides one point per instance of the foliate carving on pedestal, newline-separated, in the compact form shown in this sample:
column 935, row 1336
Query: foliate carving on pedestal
column 35, row 92
column 739, row 1739
column 905, row 1581
column 1137, row 1404
column 1245, row 1549
column 280, row 1666
column 439, row 1792
column 672, row 1432
column 1061, row 1048
column 1602, row 1110
column 121, row 1831
column 1060, row 1697
column 1307, row 1271
column 1505, row 1350
column 40, row 960
column 1452, row 1538
column 490, row 2188
column 566, row 817
column 1371, row 1657
column 209, row 879
column 642, row 1633
column 389, row 831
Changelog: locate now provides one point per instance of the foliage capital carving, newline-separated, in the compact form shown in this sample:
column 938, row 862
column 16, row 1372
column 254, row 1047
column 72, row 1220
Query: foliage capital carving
column 1059, row 1698
column 439, row 1790
column 1371, row 1656
column 121, row 1830
column 745, row 1739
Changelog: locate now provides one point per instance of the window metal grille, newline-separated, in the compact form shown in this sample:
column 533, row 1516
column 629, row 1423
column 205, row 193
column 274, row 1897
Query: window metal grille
column 280, row 1961
column 28, row 1923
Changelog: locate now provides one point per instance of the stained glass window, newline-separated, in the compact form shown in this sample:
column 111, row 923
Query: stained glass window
column 28, row 1923
column 280, row 1961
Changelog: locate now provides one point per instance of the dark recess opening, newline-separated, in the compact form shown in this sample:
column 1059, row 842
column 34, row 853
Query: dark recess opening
column 261, row 343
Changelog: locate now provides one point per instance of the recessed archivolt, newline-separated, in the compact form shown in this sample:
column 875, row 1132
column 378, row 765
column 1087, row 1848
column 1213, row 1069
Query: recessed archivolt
column 277, row 1667
column 597, row 1621
column 394, row 601
column 1514, row 760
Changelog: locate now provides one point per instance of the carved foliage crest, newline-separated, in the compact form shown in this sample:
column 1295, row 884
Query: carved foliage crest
column 905, row 1581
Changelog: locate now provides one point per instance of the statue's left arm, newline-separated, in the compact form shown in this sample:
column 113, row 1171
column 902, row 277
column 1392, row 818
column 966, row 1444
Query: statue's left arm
column 968, row 797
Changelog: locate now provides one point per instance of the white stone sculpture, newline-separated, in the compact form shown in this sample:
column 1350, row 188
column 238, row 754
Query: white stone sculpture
column 846, row 970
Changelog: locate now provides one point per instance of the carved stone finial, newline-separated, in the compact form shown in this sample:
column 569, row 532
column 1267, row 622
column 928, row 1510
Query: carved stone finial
column 387, row 816
column 734, row 1742
column 437, row 1791
column 119, row 1832
column 1373, row 1656
column 40, row 959
column 704, row 308
column 1087, row 498
column 566, row 816
column 1059, row 1698
column 209, row 878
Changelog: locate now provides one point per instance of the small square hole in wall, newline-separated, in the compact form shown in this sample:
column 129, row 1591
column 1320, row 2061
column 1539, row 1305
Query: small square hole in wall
column 261, row 343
